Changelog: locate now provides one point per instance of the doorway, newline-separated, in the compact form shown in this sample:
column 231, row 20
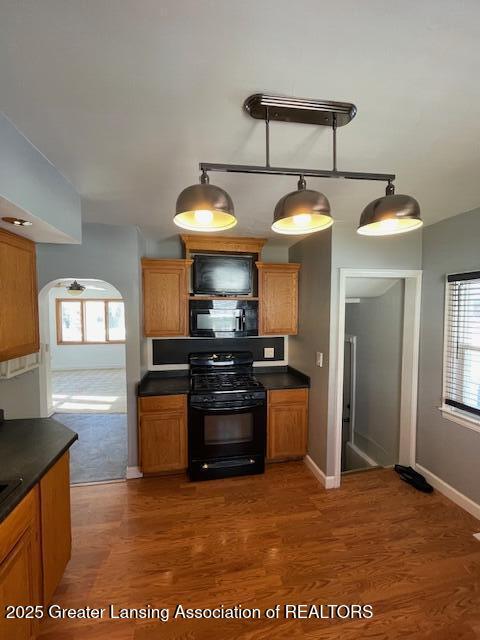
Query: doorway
column 373, row 349
column 84, row 375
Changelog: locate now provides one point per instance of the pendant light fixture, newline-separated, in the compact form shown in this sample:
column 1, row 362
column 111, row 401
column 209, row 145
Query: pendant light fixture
column 390, row 215
column 75, row 289
column 302, row 211
column 204, row 207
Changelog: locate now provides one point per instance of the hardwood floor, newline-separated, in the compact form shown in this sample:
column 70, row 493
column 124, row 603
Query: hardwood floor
column 262, row 540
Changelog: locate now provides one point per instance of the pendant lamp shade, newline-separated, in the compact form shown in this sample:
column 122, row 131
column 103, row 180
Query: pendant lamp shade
column 390, row 215
column 204, row 207
column 302, row 211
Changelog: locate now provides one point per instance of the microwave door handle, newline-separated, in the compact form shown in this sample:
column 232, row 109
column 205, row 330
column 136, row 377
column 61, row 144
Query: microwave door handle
column 240, row 321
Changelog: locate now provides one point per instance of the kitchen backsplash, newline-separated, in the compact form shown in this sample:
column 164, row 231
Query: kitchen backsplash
column 175, row 351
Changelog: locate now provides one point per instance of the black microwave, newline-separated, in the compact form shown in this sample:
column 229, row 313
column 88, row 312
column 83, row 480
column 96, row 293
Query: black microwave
column 223, row 318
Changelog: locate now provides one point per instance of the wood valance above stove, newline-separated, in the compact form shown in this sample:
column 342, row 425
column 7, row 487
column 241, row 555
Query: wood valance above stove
column 227, row 244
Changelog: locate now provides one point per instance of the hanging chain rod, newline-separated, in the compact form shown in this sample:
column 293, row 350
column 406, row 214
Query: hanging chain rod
column 337, row 113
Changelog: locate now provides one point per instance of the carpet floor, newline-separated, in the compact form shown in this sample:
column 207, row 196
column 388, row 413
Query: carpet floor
column 100, row 453
column 89, row 391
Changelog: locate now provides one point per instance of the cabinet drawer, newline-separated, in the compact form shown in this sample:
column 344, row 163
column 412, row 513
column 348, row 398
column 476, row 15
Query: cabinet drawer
column 156, row 404
column 287, row 396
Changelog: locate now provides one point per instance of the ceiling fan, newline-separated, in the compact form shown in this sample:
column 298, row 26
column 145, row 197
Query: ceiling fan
column 73, row 287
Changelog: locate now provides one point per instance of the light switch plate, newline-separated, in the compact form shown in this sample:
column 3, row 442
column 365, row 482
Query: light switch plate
column 319, row 359
column 269, row 352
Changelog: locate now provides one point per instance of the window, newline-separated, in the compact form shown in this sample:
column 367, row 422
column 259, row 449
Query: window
column 461, row 375
column 90, row 321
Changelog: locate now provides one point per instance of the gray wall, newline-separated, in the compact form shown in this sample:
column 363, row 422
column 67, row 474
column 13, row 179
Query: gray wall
column 273, row 251
column 353, row 251
column 314, row 254
column 377, row 324
column 449, row 450
column 107, row 252
column 31, row 182
column 322, row 256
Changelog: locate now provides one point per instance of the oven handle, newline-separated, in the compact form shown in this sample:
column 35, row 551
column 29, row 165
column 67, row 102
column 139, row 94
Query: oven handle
column 225, row 464
column 205, row 409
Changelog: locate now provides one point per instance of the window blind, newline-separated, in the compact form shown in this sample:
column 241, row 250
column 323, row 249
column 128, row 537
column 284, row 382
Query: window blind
column 462, row 342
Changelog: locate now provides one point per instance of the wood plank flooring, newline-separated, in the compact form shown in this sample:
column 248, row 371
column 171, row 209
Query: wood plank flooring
column 273, row 539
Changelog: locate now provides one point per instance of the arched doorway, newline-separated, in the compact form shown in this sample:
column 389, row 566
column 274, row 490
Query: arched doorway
column 83, row 374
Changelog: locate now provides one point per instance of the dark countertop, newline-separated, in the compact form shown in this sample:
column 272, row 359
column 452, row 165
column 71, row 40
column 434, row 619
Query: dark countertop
column 29, row 448
column 165, row 383
column 285, row 379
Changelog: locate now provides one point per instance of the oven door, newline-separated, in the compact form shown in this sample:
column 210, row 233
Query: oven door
column 226, row 440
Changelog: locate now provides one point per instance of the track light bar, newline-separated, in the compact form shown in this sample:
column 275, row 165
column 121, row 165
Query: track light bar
column 290, row 171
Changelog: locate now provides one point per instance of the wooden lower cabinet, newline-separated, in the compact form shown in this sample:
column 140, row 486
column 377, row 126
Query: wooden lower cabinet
column 35, row 544
column 20, row 566
column 56, row 525
column 162, row 434
column 287, row 424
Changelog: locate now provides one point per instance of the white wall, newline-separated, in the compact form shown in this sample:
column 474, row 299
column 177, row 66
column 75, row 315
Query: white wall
column 84, row 356
column 377, row 324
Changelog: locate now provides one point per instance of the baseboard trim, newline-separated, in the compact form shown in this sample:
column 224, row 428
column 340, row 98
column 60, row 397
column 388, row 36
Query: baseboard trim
column 329, row 482
column 447, row 490
column 133, row 472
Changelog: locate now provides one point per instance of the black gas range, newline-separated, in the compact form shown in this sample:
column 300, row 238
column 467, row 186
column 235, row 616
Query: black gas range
column 226, row 416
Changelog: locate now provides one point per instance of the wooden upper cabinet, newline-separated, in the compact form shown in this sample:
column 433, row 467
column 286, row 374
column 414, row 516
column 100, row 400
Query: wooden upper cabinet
column 278, row 298
column 165, row 297
column 19, row 334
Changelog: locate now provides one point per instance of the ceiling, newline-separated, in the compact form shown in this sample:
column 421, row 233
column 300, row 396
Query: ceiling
column 126, row 97
column 356, row 288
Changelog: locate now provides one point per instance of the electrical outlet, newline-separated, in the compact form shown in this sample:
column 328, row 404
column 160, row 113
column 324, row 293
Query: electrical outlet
column 319, row 359
column 269, row 352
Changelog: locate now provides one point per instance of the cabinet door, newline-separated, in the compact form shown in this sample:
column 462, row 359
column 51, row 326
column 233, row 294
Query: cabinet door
column 17, row 588
column 20, row 567
column 287, row 423
column 163, row 442
column 56, row 525
column 278, row 298
column 18, row 294
column 165, row 297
